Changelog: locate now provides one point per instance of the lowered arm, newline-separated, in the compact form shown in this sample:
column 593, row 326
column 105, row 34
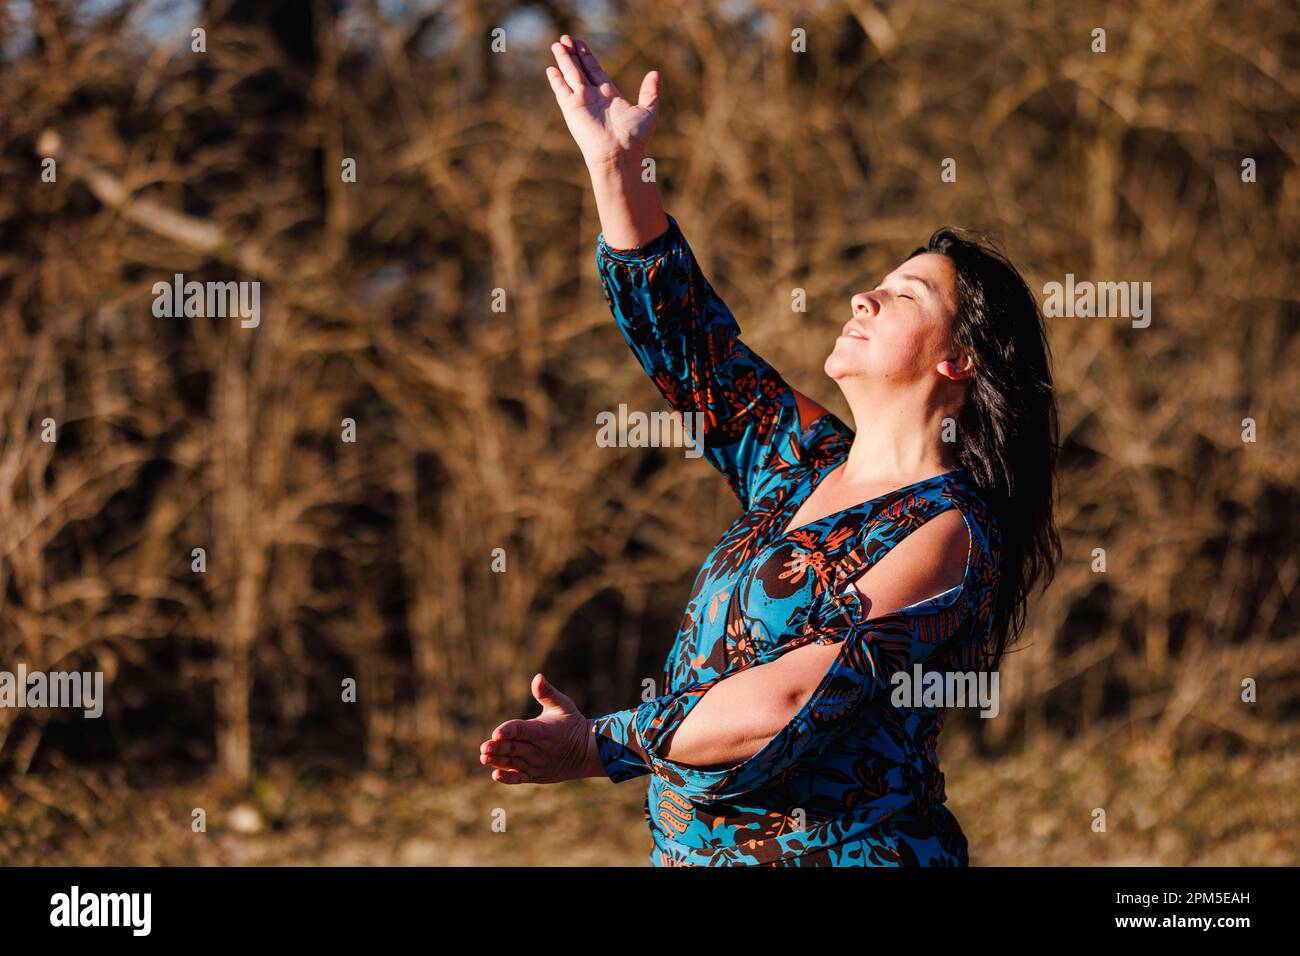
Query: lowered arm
column 718, row 738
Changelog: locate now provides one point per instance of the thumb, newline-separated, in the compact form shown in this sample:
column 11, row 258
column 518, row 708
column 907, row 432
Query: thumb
column 648, row 98
column 549, row 697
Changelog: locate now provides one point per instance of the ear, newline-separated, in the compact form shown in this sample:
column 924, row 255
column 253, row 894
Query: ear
column 958, row 369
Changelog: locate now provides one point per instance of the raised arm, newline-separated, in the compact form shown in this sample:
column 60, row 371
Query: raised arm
column 612, row 134
column 740, row 409
column 718, row 739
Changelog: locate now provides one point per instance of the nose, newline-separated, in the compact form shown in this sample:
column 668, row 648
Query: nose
column 865, row 304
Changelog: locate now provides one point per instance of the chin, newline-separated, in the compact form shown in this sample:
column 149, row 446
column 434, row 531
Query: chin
column 836, row 371
column 837, row 366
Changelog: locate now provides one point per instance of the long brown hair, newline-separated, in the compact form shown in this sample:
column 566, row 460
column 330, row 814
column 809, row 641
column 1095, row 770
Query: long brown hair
column 1008, row 436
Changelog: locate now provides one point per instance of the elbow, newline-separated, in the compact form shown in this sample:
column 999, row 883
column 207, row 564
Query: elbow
column 763, row 721
column 794, row 699
column 777, row 714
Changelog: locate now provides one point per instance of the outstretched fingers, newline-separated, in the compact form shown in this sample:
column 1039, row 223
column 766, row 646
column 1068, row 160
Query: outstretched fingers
column 592, row 66
column 567, row 60
column 558, row 85
column 509, row 763
column 511, row 755
column 509, row 748
column 648, row 99
column 511, row 776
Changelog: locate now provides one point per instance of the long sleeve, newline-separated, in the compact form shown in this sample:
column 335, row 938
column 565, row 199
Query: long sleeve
column 619, row 735
column 689, row 344
column 620, row 752
column 631, row 742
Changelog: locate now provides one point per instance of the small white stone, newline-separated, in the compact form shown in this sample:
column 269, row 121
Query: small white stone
column 244, row 819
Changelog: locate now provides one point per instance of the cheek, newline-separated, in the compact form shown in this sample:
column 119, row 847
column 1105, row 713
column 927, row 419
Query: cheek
column 910, row 347
column 895, row 352
column 897, row 355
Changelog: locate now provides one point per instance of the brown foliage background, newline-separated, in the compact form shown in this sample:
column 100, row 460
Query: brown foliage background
column 328, row 560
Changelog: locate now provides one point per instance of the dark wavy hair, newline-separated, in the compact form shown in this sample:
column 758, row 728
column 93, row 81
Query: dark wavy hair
column 1007, row 432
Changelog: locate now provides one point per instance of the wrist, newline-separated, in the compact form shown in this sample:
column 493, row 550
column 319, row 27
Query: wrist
column 616, row 164
column 618, row 750
column 593, row 766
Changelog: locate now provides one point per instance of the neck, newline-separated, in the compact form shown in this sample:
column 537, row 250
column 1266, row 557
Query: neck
column 898, row 435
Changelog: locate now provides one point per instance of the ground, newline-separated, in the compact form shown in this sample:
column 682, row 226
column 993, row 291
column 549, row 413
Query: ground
column 1033, row 808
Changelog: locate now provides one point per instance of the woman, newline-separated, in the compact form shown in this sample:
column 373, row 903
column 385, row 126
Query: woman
column 860, row 554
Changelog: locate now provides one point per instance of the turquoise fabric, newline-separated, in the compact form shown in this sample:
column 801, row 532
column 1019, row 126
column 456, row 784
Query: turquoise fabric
column 852, row 780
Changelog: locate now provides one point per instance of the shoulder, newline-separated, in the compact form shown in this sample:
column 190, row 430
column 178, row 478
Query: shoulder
column 809, row 411
column 822, row 438
column 929, row 561
column 984, row 567
column 981, row 519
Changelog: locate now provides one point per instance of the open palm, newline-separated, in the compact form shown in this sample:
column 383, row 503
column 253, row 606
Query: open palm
column 602, row 122
column 555, row 746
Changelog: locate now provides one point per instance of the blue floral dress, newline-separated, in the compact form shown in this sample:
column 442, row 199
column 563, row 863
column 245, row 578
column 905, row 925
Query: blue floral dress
column 852, row 780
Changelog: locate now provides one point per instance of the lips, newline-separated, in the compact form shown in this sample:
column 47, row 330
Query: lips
column 853, row 332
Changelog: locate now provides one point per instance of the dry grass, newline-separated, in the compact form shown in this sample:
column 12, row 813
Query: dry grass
column 1201, row 811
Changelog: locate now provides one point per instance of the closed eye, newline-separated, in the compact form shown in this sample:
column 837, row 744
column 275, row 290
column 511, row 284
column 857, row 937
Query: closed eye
column 901, row 295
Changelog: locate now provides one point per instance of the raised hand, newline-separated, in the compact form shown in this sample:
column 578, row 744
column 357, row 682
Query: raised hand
column 555, row 746
column 605, row 126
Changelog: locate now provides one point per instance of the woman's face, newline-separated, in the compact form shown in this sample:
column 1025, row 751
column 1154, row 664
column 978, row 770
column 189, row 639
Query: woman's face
column 901, row 331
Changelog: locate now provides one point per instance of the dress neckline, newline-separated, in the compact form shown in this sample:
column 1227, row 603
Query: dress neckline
column 812, row 487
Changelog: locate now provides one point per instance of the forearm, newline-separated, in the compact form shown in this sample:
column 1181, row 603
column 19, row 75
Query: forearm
column 740, row 714
column 630, row 211
column 721, row 731
column 714, row 739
